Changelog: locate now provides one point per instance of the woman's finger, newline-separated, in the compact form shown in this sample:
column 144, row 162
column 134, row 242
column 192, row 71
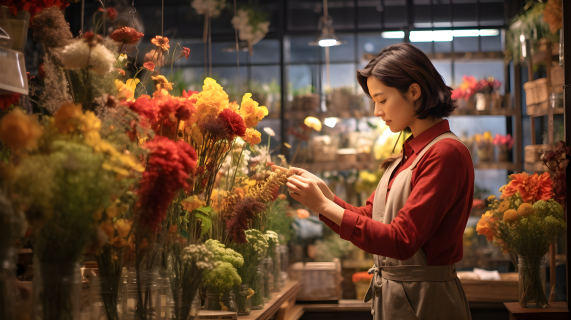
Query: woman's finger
column 293, row 187
column 296, row 170
column 274, row 168
column 297, row 183
column 302, row 179
column 295, row 196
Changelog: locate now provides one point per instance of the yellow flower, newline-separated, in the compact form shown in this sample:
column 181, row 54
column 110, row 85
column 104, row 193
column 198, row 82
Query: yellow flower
column 18, row 130
column 252, row 136
column 313, row 123
column 211, row 100
column 492, row 198
column 191, row 203
column 504, row 206
column 525, row 209
column 217, row 198
column 126, row 91
column 485, row 225
column 163, row 83
column 250, row 111
column 510, row 216
column 68, row 117
column 123, row 227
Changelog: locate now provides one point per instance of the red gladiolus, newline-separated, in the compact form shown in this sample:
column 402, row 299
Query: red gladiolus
column 126, row 35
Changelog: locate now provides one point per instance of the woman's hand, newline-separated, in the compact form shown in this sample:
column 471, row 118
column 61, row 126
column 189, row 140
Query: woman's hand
column 307, row 193
column 306, row 174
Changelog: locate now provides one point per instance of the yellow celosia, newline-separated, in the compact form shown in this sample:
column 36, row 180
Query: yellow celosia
column 191, row 203
column 126, row 91
column 211, row 100
column 252, row 136
column 251, row 112
column 163, row 83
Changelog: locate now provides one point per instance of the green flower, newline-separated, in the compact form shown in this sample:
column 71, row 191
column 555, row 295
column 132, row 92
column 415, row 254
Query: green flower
column 548, row 208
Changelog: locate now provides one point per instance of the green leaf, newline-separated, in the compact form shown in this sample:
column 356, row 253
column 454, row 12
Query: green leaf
column 372, row 126
column 203, row 214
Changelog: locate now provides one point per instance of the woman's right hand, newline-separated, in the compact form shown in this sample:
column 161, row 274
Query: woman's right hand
column 308, row 175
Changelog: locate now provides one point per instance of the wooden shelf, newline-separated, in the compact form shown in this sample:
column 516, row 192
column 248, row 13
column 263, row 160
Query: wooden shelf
column 500, row 112
column 540, row 56
column 503, row 290
column 542, row 114
column 288, row 293
column 495, row 166
column 556, row 310
column 537, row 167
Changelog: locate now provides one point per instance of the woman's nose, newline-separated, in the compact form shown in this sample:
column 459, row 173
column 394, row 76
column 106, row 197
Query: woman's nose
column 378, row 112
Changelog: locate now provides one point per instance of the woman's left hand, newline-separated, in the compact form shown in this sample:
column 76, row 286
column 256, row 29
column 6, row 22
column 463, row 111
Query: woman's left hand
column 307, row 192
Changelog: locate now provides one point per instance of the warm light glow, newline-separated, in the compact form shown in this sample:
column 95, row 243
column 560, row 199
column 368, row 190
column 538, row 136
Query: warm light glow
column 327, row 42
column 330, row 122
column 393, row 34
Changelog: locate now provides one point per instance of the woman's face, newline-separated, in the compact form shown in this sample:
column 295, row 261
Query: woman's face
column 390, row 105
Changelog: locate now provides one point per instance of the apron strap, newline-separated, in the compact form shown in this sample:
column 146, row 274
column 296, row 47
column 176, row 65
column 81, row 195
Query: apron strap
column 419, row 273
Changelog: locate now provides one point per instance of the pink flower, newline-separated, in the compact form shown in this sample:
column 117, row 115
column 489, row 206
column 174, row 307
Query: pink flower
column 149, row 65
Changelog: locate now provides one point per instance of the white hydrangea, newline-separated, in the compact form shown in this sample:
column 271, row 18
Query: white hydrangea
column 77, row 55
column 272, row 236
column 198, row 255
column 247, row 31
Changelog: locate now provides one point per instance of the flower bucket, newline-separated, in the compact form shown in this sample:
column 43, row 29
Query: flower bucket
column 531, row 273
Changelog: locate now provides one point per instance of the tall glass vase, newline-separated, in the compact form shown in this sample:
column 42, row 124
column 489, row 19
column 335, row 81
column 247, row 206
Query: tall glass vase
column 267, row 265
column 57, row 290
column 258, row 302
column 7, row 260
column 276, row 267
column 244, row 299
column 532, row 282
column 142, row 300
column 223, row 301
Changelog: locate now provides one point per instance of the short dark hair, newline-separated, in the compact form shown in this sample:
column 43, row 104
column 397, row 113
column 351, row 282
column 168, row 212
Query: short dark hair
column 400, row 65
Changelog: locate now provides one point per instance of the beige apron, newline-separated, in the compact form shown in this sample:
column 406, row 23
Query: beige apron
column 410, row 289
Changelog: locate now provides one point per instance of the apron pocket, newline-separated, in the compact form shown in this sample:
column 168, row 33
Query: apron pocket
column 395, row 302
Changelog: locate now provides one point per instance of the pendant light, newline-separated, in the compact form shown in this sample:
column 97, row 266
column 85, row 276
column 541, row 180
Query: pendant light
column 327, row 37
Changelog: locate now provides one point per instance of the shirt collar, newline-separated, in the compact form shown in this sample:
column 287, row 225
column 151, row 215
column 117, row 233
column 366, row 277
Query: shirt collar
column 418, row 143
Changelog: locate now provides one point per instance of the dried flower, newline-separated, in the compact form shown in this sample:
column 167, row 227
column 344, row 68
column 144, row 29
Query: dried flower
column 302, row 213
column 252, row 136
column 121, row 71
column 215, row 129
column 68, row 117
column 186, row 52
column 126, row 35
column 163, row 83
column 126, row 91
column 156, row 57
column 149, row 65
column 161, row 43
column 19, row 131
column 264, row 191
column 243, row 212
column 269, row 131
column 504, row 205
column 80, row 55
column 211, row 100
column 33, row 7
column 192, row 202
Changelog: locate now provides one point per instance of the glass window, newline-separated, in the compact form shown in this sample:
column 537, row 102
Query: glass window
column 265, row 51
column 301, row 51
column 341, row 53
column 491, row 13
column 464, row 13
column 465, row 44
column 395, row 14
column 491, row 44
column 369, row 14
column 444, row 67
column 371, row 44
column 265, row 86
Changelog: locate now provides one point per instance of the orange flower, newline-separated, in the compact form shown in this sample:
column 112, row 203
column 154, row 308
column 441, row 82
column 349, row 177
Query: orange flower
column 253, row 137
column 282, row 196
column 186, row 52
column 67, row 117
column 126, row 35
column 485, row 225
column 161, row 42
column 302, row 213
column 251, row 112
column 163, row 83
column 191, row 203
column 531, row 188
column 18, row 130
column 149, row 65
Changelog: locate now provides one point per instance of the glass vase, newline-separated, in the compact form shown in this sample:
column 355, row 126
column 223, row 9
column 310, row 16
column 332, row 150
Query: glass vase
column 284, row 264
column 244, row 299
column 258, row 302
column 105, row 299
column 531, row 273
column 7, row 260
column 182, row 304
column 502, row 154
column 276, row 268
column 142, row 295
column 57, row 290
column 267, row 265
column 222, row 301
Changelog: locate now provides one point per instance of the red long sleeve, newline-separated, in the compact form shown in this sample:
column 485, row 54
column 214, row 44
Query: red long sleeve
column 366, row 210
column 435, row 214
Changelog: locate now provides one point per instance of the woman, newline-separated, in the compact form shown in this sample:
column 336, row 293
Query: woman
column 414, row 222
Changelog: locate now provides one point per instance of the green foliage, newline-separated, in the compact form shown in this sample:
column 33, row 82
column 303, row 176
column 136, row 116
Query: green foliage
column 224, row 274
column 279, row 221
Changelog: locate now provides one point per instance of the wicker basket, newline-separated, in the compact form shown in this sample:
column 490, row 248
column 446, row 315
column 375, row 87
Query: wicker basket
column 324, row 149
column 536, row 91
column 347, row 155
column 532, row 153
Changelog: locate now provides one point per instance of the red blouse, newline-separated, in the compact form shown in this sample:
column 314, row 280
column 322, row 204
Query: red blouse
column 436, row 212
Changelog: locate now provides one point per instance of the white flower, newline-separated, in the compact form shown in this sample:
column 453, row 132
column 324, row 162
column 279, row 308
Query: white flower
column 212, row 7
column 77, row 55
column 269, row 131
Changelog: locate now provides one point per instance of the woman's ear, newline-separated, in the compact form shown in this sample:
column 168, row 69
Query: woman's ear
column 414, row 91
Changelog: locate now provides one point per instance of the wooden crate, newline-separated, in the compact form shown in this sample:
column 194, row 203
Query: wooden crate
column 504, row 290
column 321, row 280
column 532, row 153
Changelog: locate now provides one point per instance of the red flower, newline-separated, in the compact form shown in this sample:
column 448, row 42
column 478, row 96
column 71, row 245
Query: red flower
column 126, row 35
column 30, row 77
column 161, row 42
column 168, row 169
column 186, row 52
column 190, row 94
column 149, row 65
column 243, row 212
column 6, row 100
column 234, row 122
column 33, row 7
column 145, row 107
column 121, row 71
column 112, row 14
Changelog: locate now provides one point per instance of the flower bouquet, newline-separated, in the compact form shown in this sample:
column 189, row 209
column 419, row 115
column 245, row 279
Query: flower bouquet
column 487, row 95
column 504, row 145
column 525, row 221
column 484, row 146
column 464, row 94
column 222, row 277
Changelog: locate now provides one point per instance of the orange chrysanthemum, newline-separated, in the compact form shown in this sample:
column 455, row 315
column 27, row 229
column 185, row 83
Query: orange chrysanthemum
column 531, row 188
column 252, row 136
column 161, row 42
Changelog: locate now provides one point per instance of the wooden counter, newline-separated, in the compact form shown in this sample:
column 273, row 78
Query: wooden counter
column 282, row 301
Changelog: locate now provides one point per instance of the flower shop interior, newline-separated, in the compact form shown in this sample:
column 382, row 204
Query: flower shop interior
column 146, row 147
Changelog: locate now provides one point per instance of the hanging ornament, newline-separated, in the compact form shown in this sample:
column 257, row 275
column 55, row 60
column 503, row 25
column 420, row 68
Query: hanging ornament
column 210, row 9
column 252, row 25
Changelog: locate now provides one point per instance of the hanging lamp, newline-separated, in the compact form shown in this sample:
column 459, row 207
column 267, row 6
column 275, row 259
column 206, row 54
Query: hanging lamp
column 327, row 38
